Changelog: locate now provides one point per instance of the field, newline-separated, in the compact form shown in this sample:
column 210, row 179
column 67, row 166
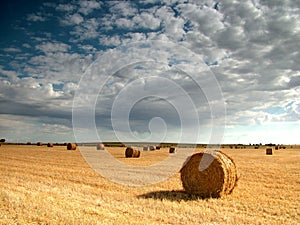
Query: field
column 40, row 185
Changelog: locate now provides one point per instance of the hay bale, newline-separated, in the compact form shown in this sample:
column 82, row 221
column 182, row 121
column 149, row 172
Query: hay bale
column 218, row 179
column 39, row 143
column 276, row 147
column 145, row 148
column 29, row 143
column 132, row 153
column 100, row 146
column 128, row 152
column 157, row 147
column 152, row 148
column 50, row 145
column 269, row 151
column 71, row 146
column 136, row 153
column 172, row 150
column 256, row 147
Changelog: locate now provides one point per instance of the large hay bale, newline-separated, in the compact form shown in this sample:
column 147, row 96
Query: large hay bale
column 71, row 146
column 100, row 146
column 145, row 148
column 50, row 145
column 39, row 143
column 172, row 150
column 218, row 179
column 151, row 148
column 128, row 152
column 276, row 147
column 269, row 151
column 157, row 147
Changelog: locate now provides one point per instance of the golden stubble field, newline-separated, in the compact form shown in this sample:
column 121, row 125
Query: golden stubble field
column 40, row 185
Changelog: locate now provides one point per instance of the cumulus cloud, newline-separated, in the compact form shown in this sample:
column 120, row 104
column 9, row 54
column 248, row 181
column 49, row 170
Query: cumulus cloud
column 36, row 18
column 48, row 47
column 65, row 7
column 73, row 19
column 87, row 7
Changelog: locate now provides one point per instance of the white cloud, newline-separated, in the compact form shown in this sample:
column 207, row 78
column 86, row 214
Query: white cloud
column 26, row 45
column 11, row 50
column 9, row 73
column 36, row 18
column 65, row 7
column 123, row 8
column 87, row 7
column 71, row 20
column 86, row 30
column 146, row 20
column 48, row 47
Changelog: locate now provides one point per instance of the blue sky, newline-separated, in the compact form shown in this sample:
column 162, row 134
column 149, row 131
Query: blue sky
column 150, row 71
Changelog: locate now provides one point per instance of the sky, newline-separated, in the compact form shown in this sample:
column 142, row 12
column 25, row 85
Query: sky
column 164, row 71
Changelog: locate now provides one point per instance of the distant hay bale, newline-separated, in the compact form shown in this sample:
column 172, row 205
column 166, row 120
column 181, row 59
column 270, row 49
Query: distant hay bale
column 256, row 147
column 39, row 143
column 157, row 147
column 276, row 147
column 131, row 153
column 283, row 147
column 29, row 143
column 152, row 148
column 128, row 152
column 218, row 179
column 71, row 146
column 50, row 145
column 172, row 150
column 100, row 146
column 136, row 153
column 269, row 151
column 145, row 148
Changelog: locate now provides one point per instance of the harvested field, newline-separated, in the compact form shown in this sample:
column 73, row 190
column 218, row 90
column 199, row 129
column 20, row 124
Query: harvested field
column 40, row 185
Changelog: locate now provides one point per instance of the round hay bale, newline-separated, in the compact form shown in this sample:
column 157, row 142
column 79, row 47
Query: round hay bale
column 71, row 146
column 157, row 147
column 256, row 147
column 152, row 148
column 145, row 148
column 128, row 152
column 50, row 145
column 172, row 150
column 136, row 153
column 269, row 151
column 100, row 146
column 39, row 143
column 218, row 179
column 276, row 147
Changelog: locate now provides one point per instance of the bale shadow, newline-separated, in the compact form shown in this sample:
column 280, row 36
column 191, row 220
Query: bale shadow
column 178, row 195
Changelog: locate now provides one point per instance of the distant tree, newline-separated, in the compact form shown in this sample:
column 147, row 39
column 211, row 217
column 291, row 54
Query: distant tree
column 2, row 140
